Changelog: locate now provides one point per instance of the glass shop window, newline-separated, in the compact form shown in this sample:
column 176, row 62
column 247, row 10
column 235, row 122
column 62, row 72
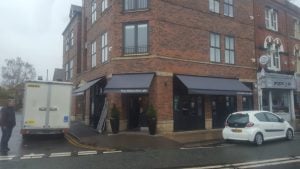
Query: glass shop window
column 280, row 101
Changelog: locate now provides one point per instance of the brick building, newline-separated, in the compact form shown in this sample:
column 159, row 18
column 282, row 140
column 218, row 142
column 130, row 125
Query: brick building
column 194, row 61
column 277, row 29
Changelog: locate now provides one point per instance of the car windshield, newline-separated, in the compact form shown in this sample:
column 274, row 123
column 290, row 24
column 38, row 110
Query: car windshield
column 238, row 120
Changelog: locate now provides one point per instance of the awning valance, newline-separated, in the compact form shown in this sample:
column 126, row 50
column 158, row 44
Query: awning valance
column 81, row 89
column 213, row 86
column 129, row 83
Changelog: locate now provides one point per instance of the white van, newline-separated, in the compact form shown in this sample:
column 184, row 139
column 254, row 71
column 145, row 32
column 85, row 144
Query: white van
column 47, row 107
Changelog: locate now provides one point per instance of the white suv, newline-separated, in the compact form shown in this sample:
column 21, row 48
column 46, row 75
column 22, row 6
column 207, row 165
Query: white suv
column 256, row 127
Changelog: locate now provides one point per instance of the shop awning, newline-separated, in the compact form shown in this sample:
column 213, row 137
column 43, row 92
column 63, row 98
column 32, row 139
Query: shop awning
column 129, row 83
column 81, row 89
column 213, row 86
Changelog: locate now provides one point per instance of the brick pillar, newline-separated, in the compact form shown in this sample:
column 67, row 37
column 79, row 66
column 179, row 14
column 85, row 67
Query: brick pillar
column 87, row 107
column 208, row 112
column 239, row 102
column 73, row 108
column 161, row 96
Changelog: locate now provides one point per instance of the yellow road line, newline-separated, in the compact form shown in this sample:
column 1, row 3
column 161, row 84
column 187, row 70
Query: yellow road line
column 75, row 143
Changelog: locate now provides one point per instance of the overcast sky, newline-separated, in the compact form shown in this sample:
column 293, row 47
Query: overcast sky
column 32, row 30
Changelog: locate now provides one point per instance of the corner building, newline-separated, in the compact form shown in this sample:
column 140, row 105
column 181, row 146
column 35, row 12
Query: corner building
column 194, row 61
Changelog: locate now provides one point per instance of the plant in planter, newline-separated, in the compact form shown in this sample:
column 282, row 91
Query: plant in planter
column 151, row 118
column 114, row 119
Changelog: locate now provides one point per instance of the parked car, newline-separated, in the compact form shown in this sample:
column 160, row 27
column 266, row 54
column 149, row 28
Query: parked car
column 256, row 127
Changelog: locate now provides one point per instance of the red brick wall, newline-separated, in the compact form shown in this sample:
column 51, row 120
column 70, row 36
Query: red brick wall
column 286, row 14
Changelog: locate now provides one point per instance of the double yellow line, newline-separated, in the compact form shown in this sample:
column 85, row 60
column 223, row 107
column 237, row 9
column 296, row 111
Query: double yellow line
column 75, row 143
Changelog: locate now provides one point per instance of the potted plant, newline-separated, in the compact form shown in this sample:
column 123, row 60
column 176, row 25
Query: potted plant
column 151, row 119
column 114, row 119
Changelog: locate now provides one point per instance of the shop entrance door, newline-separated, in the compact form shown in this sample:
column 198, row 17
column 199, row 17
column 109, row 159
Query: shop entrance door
column 222, row 106
column 189, row 113
column 136, row 113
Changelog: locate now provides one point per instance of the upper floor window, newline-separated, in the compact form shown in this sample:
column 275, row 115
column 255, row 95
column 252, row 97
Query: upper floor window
column 104, row 48
column 67, row 43
column 271, row 19
column 72, row 38
column 69, row 70
column 131, row 5
column 297, row 28
column 274, row 47
column 214, row 6
column 215, row 50
column 136, row 38
column 94, row 11
column 104, row 5
column 94, row 56
column 229, row 50
column 228, row 8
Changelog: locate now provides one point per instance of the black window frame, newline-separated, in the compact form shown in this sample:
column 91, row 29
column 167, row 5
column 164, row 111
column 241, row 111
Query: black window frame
column 136, row 51
column 215, row 47
column 135, row 8
column 230, row 50
column 230, row 6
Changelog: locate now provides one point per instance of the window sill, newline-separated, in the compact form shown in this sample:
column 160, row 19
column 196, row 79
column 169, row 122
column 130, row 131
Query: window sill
column 270, row 29
column 136, row 54
column 136, row 10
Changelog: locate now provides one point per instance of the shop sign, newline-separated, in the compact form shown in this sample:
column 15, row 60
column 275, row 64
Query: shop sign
column 134, row 90
column 279, row 83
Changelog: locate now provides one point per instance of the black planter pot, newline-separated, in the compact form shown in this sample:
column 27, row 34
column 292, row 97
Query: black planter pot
column 115, row 123
column 152, row 125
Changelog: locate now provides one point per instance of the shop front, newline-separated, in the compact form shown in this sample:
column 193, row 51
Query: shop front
column 90, row 98
column 132, row 90
column 205, row 102
column 297, row 97
column 276, row 94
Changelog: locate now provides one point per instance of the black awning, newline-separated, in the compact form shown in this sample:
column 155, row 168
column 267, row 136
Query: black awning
column 81, row 89
column 213, row 86
column 129, row 83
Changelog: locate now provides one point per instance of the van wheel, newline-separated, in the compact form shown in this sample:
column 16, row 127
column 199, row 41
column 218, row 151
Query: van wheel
column 258, row 139
column 289, row 134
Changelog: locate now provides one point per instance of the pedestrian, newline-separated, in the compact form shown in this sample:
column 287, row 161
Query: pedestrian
column 7, row 123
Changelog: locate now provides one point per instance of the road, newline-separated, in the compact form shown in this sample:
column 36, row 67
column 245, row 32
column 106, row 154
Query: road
column 55, row 152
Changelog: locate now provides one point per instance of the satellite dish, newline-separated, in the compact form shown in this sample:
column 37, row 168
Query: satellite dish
column 264, row 59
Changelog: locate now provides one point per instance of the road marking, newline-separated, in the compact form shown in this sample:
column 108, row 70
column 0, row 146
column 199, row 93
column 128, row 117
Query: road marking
column 64, row 154
column 83, row 153
column 271, row 164
column 110, row 152
column 254, row 164
column 191, row 148
column 32, row 156
column 5, row 158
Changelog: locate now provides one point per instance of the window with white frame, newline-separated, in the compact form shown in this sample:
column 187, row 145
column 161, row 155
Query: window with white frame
column 104, row 47
column 94, row 11
column 228, row 8
column 71, row 68
column 214, row 6
column 297, row 28
column 103, row 5
column 94, row 56
column 72, row 38
column 67, row 43
column 67, row 71
column 273, row 52
column 131, row 5
column 215, row 50
column 271, row 20
column 229, row 50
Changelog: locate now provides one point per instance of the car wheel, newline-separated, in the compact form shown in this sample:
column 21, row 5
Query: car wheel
column 289, row 134
column 258, row 139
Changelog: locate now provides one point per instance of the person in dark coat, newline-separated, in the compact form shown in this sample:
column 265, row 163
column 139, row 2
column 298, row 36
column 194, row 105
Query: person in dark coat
column 7, row 123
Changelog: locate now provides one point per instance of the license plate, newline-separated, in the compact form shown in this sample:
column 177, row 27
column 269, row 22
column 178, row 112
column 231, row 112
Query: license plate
column 236, row 130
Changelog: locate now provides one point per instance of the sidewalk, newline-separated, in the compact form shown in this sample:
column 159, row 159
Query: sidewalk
column 141, row 140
